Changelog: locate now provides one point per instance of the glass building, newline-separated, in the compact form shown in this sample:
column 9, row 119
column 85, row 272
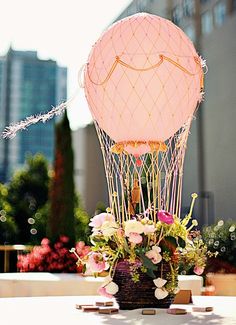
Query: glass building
column 28, row 86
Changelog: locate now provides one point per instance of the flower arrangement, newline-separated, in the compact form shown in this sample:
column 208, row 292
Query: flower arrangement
column 52, row 258
column 145, row 248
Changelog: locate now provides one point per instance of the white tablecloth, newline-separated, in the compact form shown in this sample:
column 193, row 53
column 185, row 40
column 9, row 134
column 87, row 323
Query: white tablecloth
column 61, row 311
column 49, row 284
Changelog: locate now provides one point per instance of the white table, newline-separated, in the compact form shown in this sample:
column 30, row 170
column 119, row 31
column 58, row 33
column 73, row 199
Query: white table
column 32, row 284
column 61, row 311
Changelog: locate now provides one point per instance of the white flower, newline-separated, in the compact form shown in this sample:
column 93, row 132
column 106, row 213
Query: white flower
column 99, row 219
column 133, row 226
column 159, row 282
column 149, row 229
column 161, row 293
column 109, row 228
column 112, row 288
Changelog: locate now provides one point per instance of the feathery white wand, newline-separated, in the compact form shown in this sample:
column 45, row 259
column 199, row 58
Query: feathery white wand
column 11, row 130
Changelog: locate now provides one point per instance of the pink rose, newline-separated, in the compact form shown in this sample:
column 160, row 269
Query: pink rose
column 99, row 219
column 198, row 270
column 135, row 238
column 97, row 262
column 165, row 217
column 102, row 291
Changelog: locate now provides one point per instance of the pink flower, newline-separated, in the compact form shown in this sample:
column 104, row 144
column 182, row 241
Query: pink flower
column 198, row 270
column 97, row 262
column 99, row 219
column 64, row 239
column 103, row 292
column 80, row 245
column 154, row 255
column 165, row 217
column 135, row 238
column 45, row 241
column 120, row 232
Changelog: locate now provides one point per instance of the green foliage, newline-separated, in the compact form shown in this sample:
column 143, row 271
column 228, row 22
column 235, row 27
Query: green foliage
column 220, row 238
column 62, row 216
column 41, row 218
column 193, row 254
column 100, row 207
column 8, row 228
column 27, row 193
column 82, row 230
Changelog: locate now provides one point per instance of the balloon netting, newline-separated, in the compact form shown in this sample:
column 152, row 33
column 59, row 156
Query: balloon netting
column 148, row 183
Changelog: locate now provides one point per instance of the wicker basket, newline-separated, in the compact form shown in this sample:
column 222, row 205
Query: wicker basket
column 133, row 295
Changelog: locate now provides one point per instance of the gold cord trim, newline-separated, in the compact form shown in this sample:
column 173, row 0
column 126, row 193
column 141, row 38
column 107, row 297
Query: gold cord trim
column 155, row 146
column 162, row 59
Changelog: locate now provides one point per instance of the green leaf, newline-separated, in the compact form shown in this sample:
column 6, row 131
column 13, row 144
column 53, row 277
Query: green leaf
column 181, row 242
column 169, row 244
column 126, row 246
column 150, row 273
column 97, row 240
column 84, row 268
column 147, row 262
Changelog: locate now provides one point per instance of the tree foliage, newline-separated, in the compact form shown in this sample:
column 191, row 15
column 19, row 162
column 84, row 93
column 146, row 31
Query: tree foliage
column 8, row 227
column 27, row 193
column 62, row 194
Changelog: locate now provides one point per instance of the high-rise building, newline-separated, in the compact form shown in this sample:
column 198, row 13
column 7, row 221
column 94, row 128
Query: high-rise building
column 28, row 86
column 211, row 156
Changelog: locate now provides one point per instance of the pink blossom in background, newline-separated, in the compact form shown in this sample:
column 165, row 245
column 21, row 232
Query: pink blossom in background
column 64, row 239
column 165, row 217
column 198, row 270
column 45, row 241
column 52, row 258
column 102, row 291
column 80, row 245
column 135, row 238
column 97, row 262
column 81, row 249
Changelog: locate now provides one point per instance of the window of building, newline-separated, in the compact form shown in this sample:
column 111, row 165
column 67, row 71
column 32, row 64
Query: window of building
column 220, row 13
column 207, row 22
column 190, row 31
column 234, row 5
column 177, row 15
column 188, row 7
column 204, row 1
column 141, row 5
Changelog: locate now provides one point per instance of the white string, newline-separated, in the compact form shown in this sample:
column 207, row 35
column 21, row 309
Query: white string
column 81, row 76
column 11, row 130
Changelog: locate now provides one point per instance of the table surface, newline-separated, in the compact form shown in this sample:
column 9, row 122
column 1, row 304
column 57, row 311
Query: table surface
column 61, row 310
column 34, row 284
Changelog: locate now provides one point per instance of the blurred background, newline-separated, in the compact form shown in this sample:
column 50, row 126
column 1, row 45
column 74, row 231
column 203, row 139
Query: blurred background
column 43, row 45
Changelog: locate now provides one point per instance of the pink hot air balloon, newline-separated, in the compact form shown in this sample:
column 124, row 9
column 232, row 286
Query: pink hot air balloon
column 143, row 82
